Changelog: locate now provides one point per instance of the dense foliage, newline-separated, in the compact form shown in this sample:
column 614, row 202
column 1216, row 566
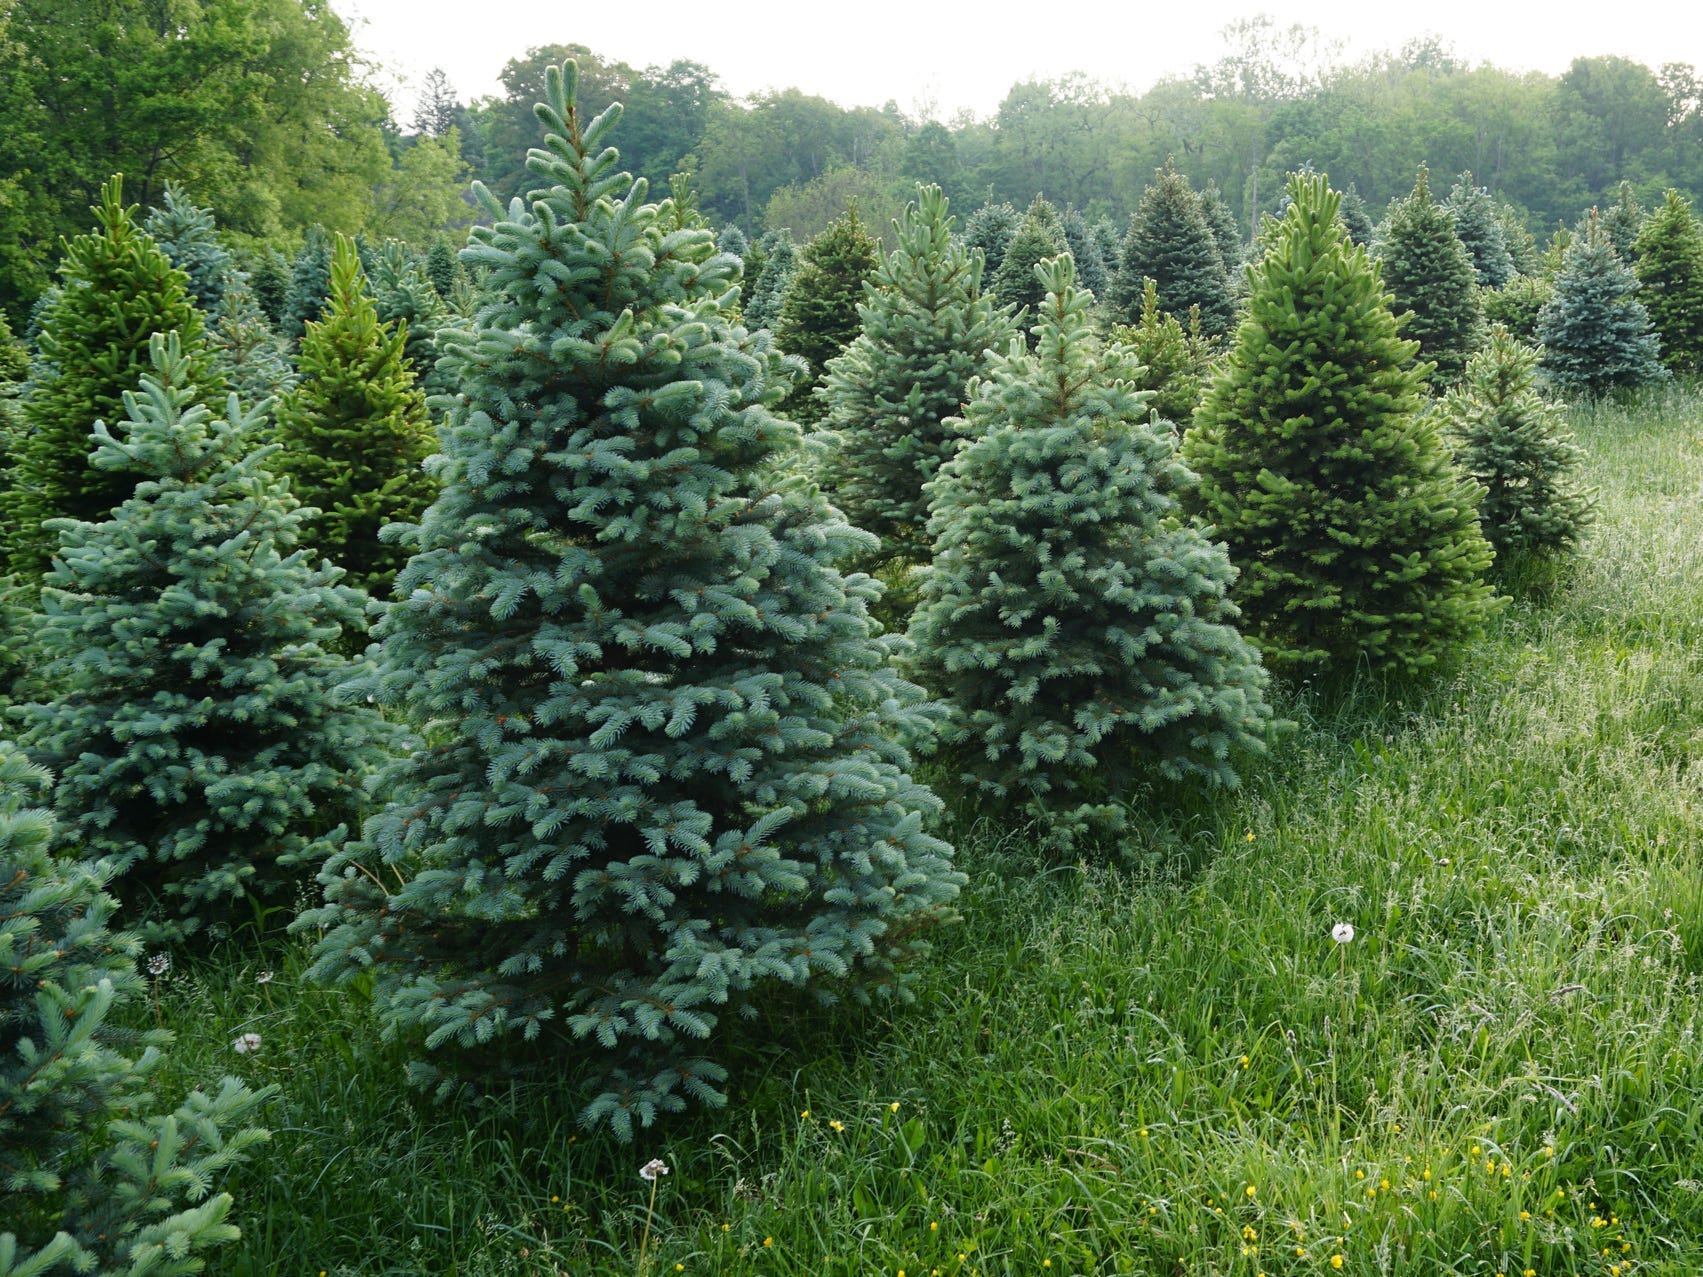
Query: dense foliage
column 1432, row 280
column 1669, row 264
column 1596, row 334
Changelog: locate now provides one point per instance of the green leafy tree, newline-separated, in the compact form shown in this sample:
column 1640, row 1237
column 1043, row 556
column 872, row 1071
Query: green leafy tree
column 1595, row 332
column 818, row 316
column 926, row 326
column 117, row 290
column 194, row 724
column 1480, row 232
column 663, row 776
column 1430, row 274
column 780, row 263
column 96, row 1178
column 990, row 228
column 354, row 431
column 1172, row 360
column 1668, row 260
column 1078, row 628
column 1622, row 222
column 1512, row 443
column 1355, row 538
column 188, row 236
column 1170, row 243
column 1039, row 237
column 423, row 195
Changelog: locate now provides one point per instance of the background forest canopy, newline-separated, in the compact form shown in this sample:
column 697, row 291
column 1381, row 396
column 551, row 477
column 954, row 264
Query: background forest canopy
column 266, row 111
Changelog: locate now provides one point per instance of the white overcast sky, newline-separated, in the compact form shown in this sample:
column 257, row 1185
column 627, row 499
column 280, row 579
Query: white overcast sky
column 935, row 58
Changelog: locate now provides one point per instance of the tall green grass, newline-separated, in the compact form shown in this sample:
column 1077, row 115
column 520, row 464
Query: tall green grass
column 1165, row 1066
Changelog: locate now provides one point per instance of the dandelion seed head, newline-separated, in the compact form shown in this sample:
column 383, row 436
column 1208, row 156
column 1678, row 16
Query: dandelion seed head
column 159, row 964
column 1343, row 932
column 247, row 1044
column 651, row 1169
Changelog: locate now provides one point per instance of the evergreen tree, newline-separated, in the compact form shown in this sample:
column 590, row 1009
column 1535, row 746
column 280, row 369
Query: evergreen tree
column 1170, row 243
column 246, row 353
column 118, row 289
column 1517, row 304
column 926, row 326
column 1108, row 241
column 1355, row 539
column 1480, row 231
column 1624, row 219
column 1556, row 252
column 1040, row 236
column 1072, row 621
column 198, row 740
column 354, row 431
column 780, row 263
column 1356, row 218
column 1595, row 332
column 1522, row 248
column 404, row 299
column 1226, row 235
column 818, row 316
column 663, row 777
column 1668, row 259
column 1172, row 360
column 1429, row 272
column 187, row 235
column 14, row 372
column 1511, row 442
column 732, row 240
column 1084, row 251
column 270, row 280
column 310, row 285
column 96, row 1178
column 990, row 228
column 442, row 268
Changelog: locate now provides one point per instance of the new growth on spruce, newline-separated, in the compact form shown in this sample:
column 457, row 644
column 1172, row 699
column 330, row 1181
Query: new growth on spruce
column 662, row 777
column 1077, row 627
column 1510, row 440
column 197, row 738
column 926, row 325
column 95, row 1179
column 1355, row 538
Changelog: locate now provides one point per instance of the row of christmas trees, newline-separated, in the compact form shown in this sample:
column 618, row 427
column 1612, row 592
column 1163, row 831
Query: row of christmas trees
column 629, row 751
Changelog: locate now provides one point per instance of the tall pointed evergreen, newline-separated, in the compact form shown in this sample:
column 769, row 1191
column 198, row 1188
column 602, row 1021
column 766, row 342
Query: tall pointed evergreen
column 188, row 235
column 1355, row 539
column 1084, row 251
column 194, row 726
column 442, row 268
column 1480, row 231
column 1170, row 243
column 1431, row 277
column 310, row 284
column 403, row 295
column 246, row 351
column 663, row 779
column 1172, row 360
column 768, row 290
column 1622, row 222
column 1511, row 441
column 354, row 431
column 95, row 1177
column 1595, row 332
column 1668, row 260
column 926, row 326
column 117, row 290
column 818, row 316
column 1039, row 236
column 1356, row 219
column 990, row 229
column 1076, row 626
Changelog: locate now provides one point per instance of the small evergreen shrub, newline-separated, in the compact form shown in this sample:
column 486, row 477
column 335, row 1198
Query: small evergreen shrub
column 94, row 1178
column 1076, row 626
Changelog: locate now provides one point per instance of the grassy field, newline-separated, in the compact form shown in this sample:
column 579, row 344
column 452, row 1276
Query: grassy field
column 1168, row 1066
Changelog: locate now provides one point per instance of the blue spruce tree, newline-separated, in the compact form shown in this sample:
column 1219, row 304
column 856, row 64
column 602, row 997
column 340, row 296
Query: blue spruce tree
column 661, row 775
column 1073, row 622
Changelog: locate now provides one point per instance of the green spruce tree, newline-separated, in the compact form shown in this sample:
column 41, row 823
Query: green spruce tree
column 926, row 326
column 780, row 263
column 1517, row 238
column 403, row 296
column 990, row 229
column 354, row 431
column 1172, row 361
column 269, row 277
column 96, row 1179
column 1430, row 274
column 1668, row 260
column 1355, row 538
column 1084, row 251
column 1595, row 332
column 442, row 268
column 1076, row 626
column 663, row 779
column 117, row 290
column 1170, row 243
column 1512, row 443
column 731, row 239
column 1356, row 218
column 194, row 724
column 1226, row 235
column 1039, row 236
column 188, row 236
column 1517, row 304
column 246, row 352
column 1480, row 231
column 818, row 316
column 1624, row 219
column 309, row 287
